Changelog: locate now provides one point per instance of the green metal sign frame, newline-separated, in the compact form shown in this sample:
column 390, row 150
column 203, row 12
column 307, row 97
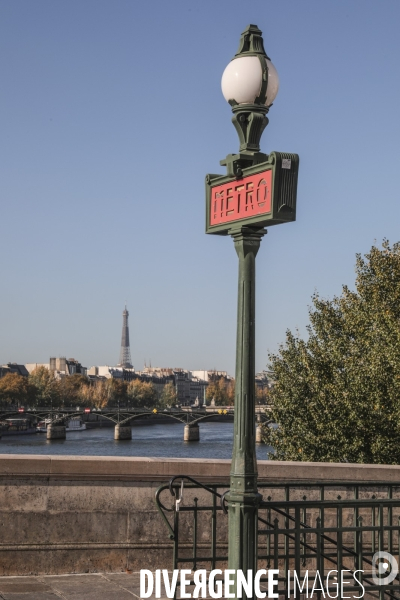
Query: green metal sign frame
column 285, row 168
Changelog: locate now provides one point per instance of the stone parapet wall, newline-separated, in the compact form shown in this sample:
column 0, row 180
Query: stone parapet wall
column 65, row 514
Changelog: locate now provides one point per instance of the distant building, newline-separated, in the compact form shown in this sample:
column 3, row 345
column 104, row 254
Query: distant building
column 158, row 378
column 162, row 371
column 182, row 386
column 111, row 373
column 32, row 366
column 264, row 380
column 211, row 375
column 63, row 367
column 198, row 389
column 188, row 387
column 13, row 368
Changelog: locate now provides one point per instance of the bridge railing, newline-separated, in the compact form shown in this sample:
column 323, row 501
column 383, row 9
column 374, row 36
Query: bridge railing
column 327, row 528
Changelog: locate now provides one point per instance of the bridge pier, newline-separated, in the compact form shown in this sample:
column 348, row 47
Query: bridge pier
column 259, row 435
column 56, row 432
column 191, row 433
column 122, row 432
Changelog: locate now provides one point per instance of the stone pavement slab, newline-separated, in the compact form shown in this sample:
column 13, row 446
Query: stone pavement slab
column 91, row 586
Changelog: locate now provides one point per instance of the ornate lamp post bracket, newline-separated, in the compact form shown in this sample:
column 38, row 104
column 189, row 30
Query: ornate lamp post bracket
column 250, row 84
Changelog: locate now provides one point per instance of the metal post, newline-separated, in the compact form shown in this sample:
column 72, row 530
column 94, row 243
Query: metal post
column 243, row 497
column 258, row 190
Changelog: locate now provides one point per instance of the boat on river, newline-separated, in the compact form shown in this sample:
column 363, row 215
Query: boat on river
column 41, row 427
column 72, row 425
column 16, row 426
column 75, row 425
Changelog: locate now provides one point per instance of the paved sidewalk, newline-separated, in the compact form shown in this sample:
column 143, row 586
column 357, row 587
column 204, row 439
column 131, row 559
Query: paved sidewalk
column 94, row 586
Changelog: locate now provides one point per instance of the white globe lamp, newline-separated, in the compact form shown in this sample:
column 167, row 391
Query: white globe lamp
column 243, row 79
column 250, row 84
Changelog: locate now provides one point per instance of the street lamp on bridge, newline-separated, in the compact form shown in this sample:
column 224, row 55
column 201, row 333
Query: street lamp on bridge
column 258, row 190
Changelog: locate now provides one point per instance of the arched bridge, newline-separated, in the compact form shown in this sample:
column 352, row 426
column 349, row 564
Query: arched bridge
column 56, row 419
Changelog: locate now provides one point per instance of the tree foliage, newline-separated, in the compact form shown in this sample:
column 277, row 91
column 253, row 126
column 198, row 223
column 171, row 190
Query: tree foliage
column 142, row 393
column 262, row 395
column 66, row 391
column 222, row 391
column 117, row 390
column 71, row 389
column 45, row 385
column 42, row 388
column 168, row 396
column 337, row 394
column 95, row 395
column 16, row 390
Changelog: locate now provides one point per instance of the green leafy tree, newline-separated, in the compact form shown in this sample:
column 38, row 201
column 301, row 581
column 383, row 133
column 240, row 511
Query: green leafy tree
column 168, row 396
column 70, row 389
column 222, row 391
column 142, row 393
column 262, row 395
column 16, row 389
column 337, row 394
column 230, row 392
column 117, row 390
column 45, row 386
column 95, row 395
column 214, row 392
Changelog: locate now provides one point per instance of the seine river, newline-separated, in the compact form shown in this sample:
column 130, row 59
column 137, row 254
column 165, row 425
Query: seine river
column 162, row 440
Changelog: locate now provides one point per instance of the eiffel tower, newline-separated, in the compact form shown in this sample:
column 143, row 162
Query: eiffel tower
column 125, row 354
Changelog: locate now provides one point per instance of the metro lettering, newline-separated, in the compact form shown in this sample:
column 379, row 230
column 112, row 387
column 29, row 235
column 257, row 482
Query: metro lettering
column 248, row 197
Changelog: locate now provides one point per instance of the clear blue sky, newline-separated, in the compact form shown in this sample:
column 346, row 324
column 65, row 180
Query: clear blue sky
column 111, row 115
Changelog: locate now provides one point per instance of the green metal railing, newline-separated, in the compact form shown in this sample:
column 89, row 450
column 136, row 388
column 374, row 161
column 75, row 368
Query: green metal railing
column 301, row 527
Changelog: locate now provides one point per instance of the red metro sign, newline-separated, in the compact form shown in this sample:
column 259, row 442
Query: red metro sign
column 247, row 197
column 265, row 195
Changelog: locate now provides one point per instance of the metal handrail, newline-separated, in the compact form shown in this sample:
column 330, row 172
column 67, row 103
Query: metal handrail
column 282, row 507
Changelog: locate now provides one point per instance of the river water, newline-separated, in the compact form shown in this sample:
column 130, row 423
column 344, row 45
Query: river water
column 216, row 440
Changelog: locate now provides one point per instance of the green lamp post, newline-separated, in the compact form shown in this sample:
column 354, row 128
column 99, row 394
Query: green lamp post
column 258, row 190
